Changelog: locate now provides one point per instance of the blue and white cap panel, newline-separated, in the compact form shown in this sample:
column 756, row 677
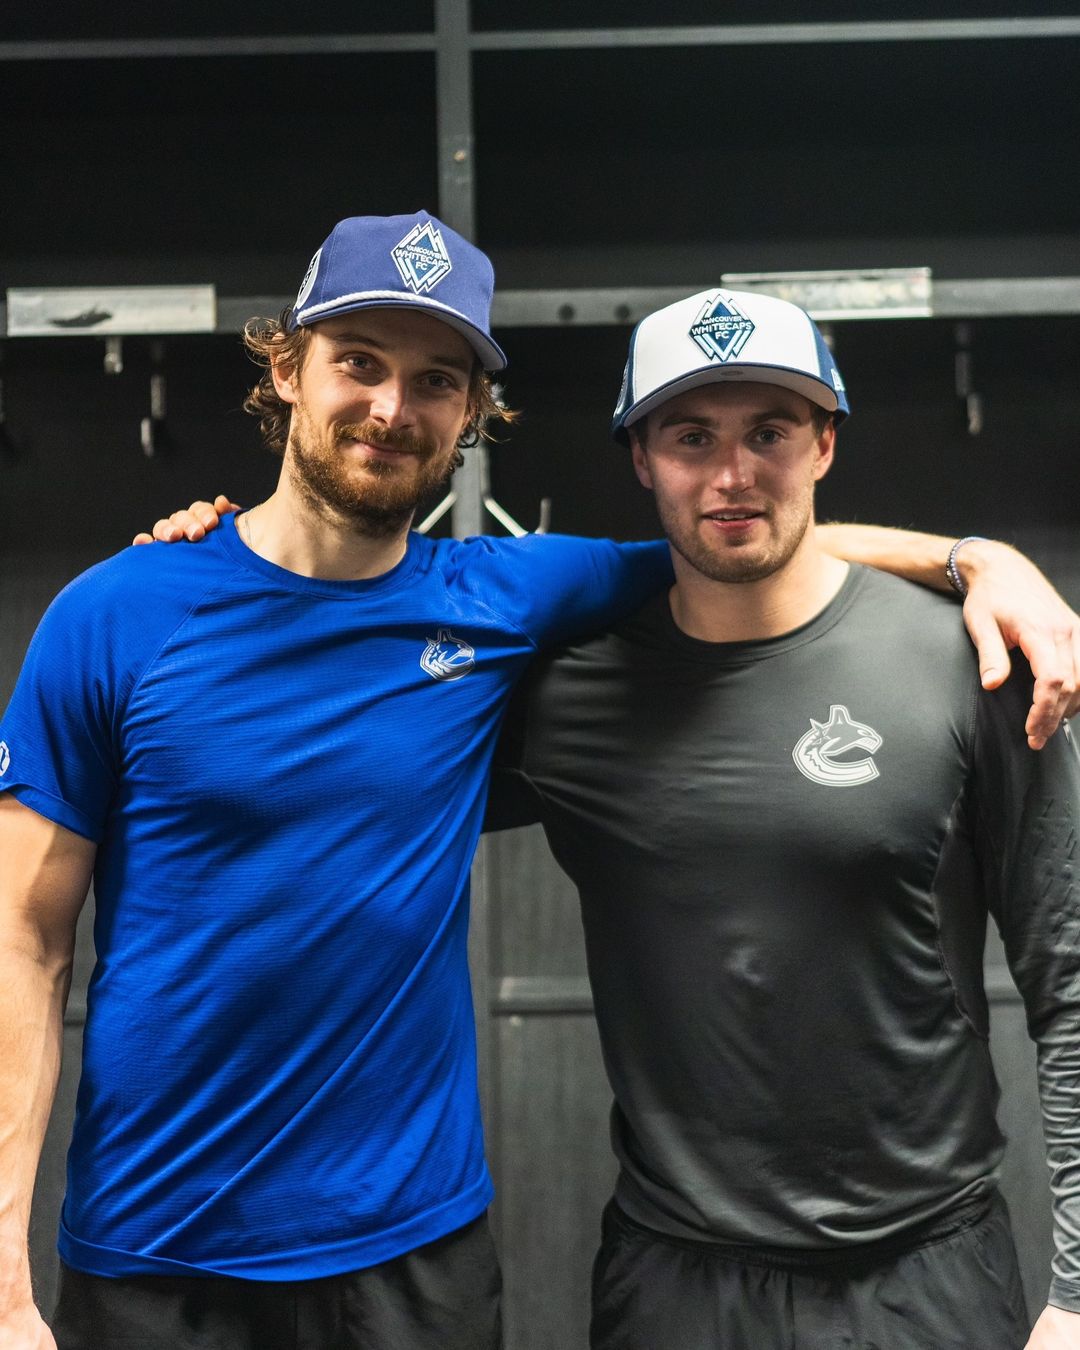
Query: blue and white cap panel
column 402, row 262
column 726, row 335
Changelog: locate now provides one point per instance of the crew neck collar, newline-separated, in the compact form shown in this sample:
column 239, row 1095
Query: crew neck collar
column 659, row 617
column 328, row 587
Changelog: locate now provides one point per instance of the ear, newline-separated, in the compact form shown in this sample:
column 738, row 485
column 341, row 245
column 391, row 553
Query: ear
column 641, row 463
column 286, row 379
column 826, row 447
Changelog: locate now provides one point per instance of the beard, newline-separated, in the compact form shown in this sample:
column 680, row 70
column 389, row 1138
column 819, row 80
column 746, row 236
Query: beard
column 377, row 498
column 739, row 564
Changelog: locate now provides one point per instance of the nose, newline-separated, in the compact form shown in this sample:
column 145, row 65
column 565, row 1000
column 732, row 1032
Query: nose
column 389, row 403
column 733, row 468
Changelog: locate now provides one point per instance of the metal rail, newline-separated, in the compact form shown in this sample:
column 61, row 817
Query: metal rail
column 773, row 34
column 539, row 39
column 143, row 49
column 976, row 298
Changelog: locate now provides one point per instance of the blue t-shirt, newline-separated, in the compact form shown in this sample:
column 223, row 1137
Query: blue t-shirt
column 285, row 777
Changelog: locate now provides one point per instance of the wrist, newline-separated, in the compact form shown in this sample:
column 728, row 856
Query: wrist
column 969, row 558
column 16, row 1293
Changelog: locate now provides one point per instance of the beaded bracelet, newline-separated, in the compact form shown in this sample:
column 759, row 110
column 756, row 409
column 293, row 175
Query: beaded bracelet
column 955, row 580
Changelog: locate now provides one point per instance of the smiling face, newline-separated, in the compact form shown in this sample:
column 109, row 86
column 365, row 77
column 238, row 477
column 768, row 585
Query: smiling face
column 377, row 411
column 733, row 469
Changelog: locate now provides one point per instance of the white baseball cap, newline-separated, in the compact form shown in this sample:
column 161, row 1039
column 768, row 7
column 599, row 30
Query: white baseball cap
column 726, row 335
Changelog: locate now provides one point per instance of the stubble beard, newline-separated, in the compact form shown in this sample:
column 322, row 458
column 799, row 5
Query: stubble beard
column 376, row 499
column 734, row 563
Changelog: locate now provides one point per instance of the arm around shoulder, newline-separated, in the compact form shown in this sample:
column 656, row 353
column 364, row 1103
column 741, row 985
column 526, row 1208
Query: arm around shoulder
column 1008, row 604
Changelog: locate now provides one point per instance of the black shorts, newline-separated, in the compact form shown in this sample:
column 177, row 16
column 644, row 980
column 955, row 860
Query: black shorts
column 443, row 1296
column 958, row 1289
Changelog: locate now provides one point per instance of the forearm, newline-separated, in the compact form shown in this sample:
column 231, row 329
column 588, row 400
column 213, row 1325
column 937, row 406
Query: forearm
column 906, row 553
column 43, row 883
column 916, row 556
column 31, row 1036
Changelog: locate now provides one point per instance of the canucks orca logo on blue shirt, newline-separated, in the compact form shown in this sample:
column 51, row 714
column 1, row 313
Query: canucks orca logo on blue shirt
column 446, row 657
column 421, row 258
column 5, row 758
column 721, row 330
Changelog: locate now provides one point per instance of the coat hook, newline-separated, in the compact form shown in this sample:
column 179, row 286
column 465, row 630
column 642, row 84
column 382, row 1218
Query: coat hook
column 114, row 356
column 8, row 449
column 505, row 519
column 965, row 380
column 499, row 512
column 152, row 431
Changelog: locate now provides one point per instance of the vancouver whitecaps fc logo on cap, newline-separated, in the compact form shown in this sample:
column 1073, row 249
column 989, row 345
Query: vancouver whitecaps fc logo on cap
column 721, row 330
column 421, row 258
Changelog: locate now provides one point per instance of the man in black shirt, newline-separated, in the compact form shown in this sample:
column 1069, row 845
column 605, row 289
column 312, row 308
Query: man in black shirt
column 789, row 808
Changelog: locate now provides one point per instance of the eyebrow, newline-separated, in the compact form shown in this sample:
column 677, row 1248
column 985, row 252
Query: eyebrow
column 365, row 339
column 769, row 415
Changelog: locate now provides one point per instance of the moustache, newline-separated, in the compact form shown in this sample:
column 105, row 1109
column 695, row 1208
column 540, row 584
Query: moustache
column 375, row 434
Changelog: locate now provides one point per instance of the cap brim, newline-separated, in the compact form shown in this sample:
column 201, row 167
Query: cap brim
column 491, row 355
column 815, row 391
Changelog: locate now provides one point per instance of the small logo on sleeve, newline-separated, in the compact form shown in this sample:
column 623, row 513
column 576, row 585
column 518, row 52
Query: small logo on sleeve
column 446, row 657
column 818, row 755
column 5, row 758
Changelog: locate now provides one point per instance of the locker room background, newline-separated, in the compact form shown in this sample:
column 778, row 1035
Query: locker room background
column 183, row 144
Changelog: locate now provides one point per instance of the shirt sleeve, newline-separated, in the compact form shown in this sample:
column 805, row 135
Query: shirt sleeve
column 1027, row 825
column 60, row 728
column 555, row 588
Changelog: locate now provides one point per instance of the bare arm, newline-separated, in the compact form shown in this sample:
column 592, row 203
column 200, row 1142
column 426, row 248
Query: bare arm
column 44, row 878
column 1056, row 1329
column 1009, row 604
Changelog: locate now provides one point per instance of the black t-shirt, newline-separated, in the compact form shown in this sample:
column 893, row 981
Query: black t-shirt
column 786, row 853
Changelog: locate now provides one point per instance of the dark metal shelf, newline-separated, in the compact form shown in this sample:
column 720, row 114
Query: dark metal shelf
column 571, row 307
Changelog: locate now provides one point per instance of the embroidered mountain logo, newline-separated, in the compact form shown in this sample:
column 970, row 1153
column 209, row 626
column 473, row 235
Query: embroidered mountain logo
column 818, row 754
column 446, row 657
column 421, row 257
column 721, row 330
column 5, row 758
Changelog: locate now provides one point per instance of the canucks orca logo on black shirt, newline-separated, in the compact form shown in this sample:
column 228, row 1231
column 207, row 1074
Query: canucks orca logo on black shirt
column 721, row 330
column 446, row 657
column 817, row 755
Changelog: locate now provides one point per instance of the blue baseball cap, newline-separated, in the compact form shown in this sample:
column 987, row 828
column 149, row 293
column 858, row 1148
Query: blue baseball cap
column 402, row 262
column 726, row 335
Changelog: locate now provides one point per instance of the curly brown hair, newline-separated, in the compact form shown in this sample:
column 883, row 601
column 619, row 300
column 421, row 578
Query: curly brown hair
column 270, row 340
